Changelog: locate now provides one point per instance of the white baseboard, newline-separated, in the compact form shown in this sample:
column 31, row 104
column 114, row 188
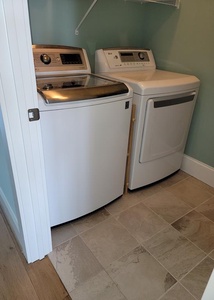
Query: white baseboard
column 198, row 170
column 10, row 216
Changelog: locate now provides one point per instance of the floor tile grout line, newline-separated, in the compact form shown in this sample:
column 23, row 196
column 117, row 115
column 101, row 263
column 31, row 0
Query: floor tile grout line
column 210, row 254
column 141, row 190
column 203, row 185
column 105, row 267
column 160, row 217
column 113, row 215
column 196, row 265
column 183, row 179
column 141, row 200
column 178, row 280
column 121, row 210
column 212, row 196
column 65, row 241
column 189, row 291
column 182, row 216
column 192, row 243
column 171, row 288
column 163, row 228
column 123, row 228
column 175, row 219
column 102, row 268
column 207, row 254
column 125, row 298
column 173, row 195
column 201, row 212
column 134, row 236
column 189, row 238
column 97, row 223
column 132, row 249
column 78, row 234
column 190, row 209
column 195, row 183
column 169, row 224
column 110, row 216
column 149, row 254
column 140, row 244
column 160, row 263
column 94, row 277
column 123, row 254
column 208, row 219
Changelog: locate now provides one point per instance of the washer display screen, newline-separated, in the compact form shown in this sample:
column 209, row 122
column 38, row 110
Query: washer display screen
column 71, row 59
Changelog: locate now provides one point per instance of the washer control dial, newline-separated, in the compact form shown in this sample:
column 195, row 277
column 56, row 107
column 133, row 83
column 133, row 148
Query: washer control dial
column 45, row 59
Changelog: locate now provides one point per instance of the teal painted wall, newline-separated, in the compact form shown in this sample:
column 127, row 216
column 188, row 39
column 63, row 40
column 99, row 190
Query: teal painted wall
column 110, row 23
column 7, row 187
column 182, row 40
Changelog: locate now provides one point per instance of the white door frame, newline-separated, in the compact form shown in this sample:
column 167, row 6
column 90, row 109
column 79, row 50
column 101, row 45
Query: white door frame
column 18, row 86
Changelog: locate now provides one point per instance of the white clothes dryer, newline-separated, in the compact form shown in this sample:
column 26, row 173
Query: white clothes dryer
column 164, row 106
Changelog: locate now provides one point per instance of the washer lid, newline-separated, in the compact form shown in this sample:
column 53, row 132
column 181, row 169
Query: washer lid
column 78, row 87
column 156, row 81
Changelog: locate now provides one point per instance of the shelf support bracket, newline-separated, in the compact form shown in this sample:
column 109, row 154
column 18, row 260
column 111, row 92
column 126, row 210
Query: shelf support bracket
column 86, row 14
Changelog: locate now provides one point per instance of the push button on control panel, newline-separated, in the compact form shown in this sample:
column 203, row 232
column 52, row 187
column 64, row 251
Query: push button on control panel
column 48, row 86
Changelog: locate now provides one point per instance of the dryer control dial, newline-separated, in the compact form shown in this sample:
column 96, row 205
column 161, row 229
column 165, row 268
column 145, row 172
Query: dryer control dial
column 141, row 55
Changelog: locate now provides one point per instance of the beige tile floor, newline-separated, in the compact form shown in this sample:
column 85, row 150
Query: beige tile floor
column 153, row 243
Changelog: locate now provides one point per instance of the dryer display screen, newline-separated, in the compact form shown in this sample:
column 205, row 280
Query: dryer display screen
column 127, row 56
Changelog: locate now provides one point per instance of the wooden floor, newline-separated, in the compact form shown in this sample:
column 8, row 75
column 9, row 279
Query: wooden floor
column 19, row 280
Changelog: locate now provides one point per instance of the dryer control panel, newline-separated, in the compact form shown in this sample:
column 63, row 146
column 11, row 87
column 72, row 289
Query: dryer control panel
column 120, row 59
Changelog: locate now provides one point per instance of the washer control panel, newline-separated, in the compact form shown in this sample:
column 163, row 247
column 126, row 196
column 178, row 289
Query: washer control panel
column 120, row 59
column 56, row 60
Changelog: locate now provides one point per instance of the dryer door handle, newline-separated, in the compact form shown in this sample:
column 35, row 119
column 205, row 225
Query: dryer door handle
column 173, row 101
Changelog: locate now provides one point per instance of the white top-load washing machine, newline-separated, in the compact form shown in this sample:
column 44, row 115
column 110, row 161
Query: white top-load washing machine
column 85, row 123
column 164, row 107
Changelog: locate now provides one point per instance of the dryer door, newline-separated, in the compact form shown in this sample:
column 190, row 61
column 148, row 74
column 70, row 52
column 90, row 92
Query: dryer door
column 166, row 125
